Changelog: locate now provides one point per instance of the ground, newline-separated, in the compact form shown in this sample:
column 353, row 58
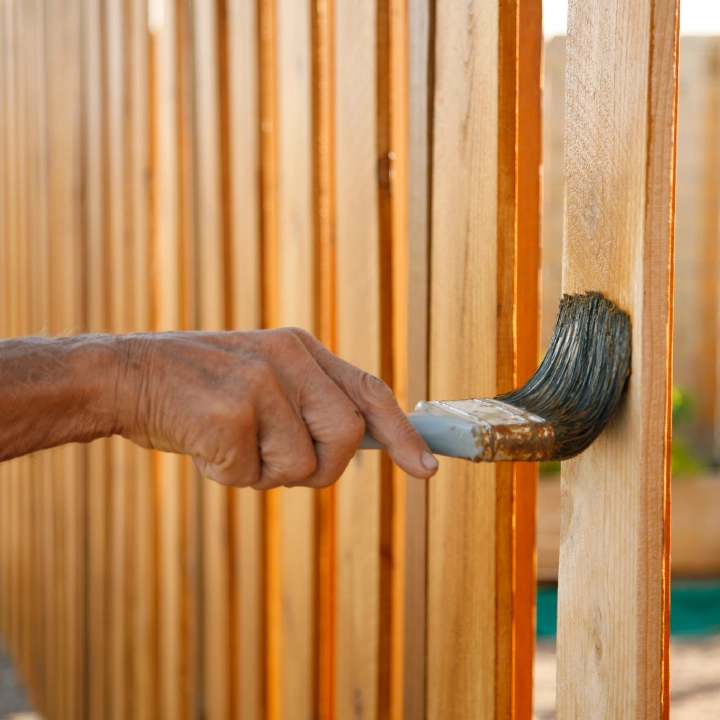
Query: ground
column 694, row 682
column 694, row 679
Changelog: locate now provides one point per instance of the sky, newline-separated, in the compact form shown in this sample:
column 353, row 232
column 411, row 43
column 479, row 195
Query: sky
column 697, row 17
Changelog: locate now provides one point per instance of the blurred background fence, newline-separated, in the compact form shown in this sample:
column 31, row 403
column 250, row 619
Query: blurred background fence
column 236, row 164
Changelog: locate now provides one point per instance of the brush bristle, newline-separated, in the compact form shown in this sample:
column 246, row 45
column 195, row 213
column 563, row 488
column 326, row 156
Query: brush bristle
column 579, row 383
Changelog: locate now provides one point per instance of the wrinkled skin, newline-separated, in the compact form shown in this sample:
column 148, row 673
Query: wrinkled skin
column 256, row 409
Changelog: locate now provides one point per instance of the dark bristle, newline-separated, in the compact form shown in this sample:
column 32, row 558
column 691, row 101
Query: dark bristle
column 580, row 381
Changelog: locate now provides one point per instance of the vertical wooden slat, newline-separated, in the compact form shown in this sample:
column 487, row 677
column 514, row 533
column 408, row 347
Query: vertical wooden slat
column 392, row 153
column 4, row 307
column 529, row 159
column 173, row 309
column 64, row 103
column 97, row 321
column 211, row 316
column 40, row 307
column 506, row 347
column 269, row 219
column 118, row 233
column 23, row 307
column 296, row 307
column 12, row 620
column 359, row 342
column 620, row 170
column 420, row 96
column 324, row 217
column 143, row 542
column 245, row 313
column 463, row 620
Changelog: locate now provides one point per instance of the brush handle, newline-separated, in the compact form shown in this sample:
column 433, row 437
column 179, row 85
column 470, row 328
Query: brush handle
column 448, row 436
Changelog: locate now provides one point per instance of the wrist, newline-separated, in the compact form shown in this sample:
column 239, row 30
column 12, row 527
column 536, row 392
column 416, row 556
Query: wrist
column 129, row 383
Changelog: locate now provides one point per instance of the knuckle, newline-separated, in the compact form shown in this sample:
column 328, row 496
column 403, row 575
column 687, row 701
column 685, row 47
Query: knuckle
column 285, row 344
column 373, row 389
column 238, row 475
column 302, row 335
column 260, row 375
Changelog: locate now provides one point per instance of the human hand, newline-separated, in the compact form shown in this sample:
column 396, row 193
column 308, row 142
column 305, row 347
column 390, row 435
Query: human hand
column 259, row 409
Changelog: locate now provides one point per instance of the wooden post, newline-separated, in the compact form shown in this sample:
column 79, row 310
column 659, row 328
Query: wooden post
column 619, row 228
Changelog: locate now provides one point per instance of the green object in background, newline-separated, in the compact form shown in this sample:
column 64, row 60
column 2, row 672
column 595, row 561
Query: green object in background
column 694, row 608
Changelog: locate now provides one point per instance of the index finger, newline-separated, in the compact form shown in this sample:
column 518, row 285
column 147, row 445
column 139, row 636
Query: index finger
column 383, row 417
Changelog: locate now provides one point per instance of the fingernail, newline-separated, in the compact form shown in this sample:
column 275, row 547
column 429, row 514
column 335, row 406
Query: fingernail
column 429, row 461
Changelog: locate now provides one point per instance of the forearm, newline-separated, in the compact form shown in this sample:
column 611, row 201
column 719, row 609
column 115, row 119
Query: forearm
column 56, row 391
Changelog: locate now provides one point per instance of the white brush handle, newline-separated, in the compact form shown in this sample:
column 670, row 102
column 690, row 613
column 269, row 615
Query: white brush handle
column 444, row 435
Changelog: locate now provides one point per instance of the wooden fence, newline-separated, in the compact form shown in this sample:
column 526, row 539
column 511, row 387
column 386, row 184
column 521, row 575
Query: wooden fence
column 369, row 171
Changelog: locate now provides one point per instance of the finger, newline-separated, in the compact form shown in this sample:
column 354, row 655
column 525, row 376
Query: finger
column 240, row 464
column 286, row 449
column 383, row 416
column 334, row 423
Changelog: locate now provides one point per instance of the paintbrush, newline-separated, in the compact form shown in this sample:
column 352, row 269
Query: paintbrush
column 558, row 412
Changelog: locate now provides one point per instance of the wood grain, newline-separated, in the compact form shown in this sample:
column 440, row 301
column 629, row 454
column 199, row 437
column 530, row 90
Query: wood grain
column 245, row 313
column 392, row 153
column 359, row 342
column 462, row 517
column 115, row 99
column 143, row 544
column 620, row 171
column 96, row 270
column 172, row 295
column 269, row 228
column 529, row 165
column 64, row 221
column 296, row 307
column 419, row 128
column 325, row 327
column 215, row 534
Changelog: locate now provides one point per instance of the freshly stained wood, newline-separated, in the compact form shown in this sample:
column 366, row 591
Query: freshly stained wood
column 530, row 49
column 325, row 328
column 619, row 170
column 269, row 219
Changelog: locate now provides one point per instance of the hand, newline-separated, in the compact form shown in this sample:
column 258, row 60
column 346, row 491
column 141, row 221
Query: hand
column 261, row 409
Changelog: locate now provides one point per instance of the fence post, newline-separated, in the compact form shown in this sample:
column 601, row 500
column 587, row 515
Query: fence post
column 619, row 179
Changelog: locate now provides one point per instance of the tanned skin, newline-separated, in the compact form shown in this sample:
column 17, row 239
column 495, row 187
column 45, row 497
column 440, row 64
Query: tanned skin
column 258, row 409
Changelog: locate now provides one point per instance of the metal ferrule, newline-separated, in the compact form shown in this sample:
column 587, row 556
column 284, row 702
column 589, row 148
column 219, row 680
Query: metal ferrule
column 483, row 430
